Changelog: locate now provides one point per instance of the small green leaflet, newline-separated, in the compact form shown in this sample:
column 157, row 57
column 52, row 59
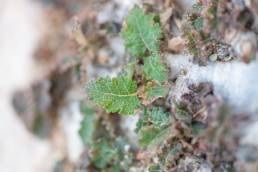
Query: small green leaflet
column 151, row 136
column 156, row 117
column 115, row 95
column 153, row 69
column 154, row 92
column 88, row 124
column 198, row 23
column 153, row 127
column 141, row 33
column 143, row 120
column 159, row 118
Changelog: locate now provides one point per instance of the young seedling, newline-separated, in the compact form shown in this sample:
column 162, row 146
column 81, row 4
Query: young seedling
column 121, row 94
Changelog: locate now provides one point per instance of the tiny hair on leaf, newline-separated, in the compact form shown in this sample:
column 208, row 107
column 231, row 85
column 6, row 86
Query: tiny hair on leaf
column 115, row 95
column 154, row 69
column 141, row 33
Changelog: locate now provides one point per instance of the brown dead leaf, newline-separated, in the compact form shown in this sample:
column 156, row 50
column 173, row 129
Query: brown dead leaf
column 77, row 34
column 176, row 44
column 164, row 17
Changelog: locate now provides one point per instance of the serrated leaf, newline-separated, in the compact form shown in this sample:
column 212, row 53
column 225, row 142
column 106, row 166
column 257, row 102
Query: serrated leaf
column 159, row 118
column 154, row 92
column 153, row 69
column 143, row 120
column 141, row 33
column 156, row 118
column 198, row 23
column 149, row 136
column 88, row 125
column 115, row 95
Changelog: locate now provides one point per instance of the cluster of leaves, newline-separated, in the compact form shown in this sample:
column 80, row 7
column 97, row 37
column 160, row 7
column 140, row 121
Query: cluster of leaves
column 169, row 133
column 163, row 131
column 143, row 81
column 175, row 135
column 106, row 153
column 200, row 27
column 121, row 94
column 153, row 126
column 167, row 136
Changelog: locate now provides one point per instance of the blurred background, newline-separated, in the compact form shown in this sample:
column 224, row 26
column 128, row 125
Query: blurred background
column 41, row 82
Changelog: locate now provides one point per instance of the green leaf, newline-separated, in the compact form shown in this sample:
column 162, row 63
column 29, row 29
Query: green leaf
column 103, row 154
column 143, row 120
column 154, row 92
column 159, row 118
column 115, row 95
column 141, row 33
column 88, row 125
column 153, row 69
column 198, row 23
column 150, row 136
